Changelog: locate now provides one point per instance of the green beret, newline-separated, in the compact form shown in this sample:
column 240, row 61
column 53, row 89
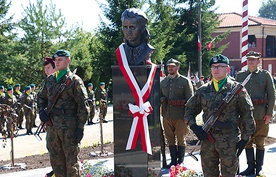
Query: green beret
column 102, row 83
column 27, row 88
column 219, row 59
column 61, row 53
column 89, row 84
column 32, row 85
column 2, row 87
column 9, row 88
column 253, row 54
column 17, row 85
column 173, row 62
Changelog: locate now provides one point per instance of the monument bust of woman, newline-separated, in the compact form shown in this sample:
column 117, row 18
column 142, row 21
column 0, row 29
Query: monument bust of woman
column 136, row 36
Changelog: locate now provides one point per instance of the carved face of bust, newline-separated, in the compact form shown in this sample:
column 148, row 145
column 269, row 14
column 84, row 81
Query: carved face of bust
column 132, row 31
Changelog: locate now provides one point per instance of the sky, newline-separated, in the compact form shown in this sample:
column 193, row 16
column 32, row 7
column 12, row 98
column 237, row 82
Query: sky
column 86, row 12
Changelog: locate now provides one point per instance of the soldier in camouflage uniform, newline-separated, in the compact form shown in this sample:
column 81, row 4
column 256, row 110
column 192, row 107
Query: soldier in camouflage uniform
column 19, row 109
column 228, row 145
column 10, row 100
column 261, row 90
column 101, row 101
column 67, row 117
column 27, row 102
column 33, row 92
column 91, row 100
column 175, row 91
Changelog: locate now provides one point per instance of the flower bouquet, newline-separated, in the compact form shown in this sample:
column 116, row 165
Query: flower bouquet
column 181, row 171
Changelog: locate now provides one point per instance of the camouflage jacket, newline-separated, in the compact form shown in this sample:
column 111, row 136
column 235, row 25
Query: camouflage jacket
column 238, row 111
column 91, row 96
column 27, row 101
column 261, row 90
column 101, row 95
column 71, row 109
column 175, row 93
column 11, row 101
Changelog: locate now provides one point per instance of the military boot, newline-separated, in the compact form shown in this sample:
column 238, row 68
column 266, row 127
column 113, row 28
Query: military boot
column 173, row 154
column 180, row 154
column 250, row 162
column 259, row 161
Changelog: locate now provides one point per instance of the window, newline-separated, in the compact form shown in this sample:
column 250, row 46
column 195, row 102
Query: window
column 251, row 41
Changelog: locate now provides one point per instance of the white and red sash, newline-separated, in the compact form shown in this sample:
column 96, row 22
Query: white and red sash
column 142, row 109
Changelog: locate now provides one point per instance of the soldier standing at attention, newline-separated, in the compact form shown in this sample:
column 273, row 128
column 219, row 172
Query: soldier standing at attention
column 35, row 104
column 27, row 102
column 19, row 109
column 228, row 145
column 175, row 91
column 101, row 101
column 9, row 98
column 91, row 100
column 68, row 116
column 261, row 90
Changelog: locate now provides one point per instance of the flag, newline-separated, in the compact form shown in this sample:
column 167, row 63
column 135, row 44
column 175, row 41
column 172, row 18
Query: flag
column 198, row 43
column 209, row 46
column 189, row 72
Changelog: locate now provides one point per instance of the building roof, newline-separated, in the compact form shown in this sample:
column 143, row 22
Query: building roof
column 234, row 19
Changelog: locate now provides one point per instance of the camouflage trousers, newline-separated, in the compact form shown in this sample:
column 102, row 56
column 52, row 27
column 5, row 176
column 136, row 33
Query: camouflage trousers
column 222, row 152
column 259, row 136
column 92, row 112
column 20, row 113
column 29, row 114
column 103, row 109
column 63, row 151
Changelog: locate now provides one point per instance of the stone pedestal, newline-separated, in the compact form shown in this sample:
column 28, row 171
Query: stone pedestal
column 136, row 162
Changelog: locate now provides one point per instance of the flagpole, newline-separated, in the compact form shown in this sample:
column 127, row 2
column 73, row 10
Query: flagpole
column 199, row 34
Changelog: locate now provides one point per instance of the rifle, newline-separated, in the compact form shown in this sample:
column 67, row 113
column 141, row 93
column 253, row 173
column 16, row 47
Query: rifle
column 163, row 147
column 215, row 115
column 52, row 104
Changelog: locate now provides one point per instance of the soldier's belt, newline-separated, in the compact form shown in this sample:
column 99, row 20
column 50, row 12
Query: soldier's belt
column 259, row 101
column 177, row 102
column 60, row 111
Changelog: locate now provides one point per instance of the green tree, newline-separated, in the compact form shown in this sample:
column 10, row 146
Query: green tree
column 6, row 42
column 43, row 28
column 268, row 9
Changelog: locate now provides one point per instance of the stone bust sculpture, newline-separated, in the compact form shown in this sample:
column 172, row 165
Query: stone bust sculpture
column 136, row 36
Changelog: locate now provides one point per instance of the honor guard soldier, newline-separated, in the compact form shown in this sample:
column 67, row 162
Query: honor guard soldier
column 175, row 91
column 9, row 98
column 27, row 102
column 33, row 92
column 262, row 92
column 91, row 101
column 101, row 101
column 19, row 109
column 63, row 106
column 220, row 155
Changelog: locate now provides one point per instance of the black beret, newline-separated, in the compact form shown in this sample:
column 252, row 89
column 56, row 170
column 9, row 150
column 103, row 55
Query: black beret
column 219, row 59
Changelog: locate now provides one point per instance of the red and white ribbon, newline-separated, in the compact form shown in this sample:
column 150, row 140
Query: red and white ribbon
column 142, row 109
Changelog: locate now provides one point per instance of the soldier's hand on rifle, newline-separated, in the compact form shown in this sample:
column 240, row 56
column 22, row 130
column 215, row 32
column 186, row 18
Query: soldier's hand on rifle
column 240, row 146
column 199, row 132
column 43, row 116
column 79, row 135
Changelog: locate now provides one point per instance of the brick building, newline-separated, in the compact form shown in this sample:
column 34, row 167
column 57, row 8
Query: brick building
column 261, row 38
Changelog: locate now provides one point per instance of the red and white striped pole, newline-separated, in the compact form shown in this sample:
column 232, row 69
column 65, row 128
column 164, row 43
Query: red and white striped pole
column 244, row 41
